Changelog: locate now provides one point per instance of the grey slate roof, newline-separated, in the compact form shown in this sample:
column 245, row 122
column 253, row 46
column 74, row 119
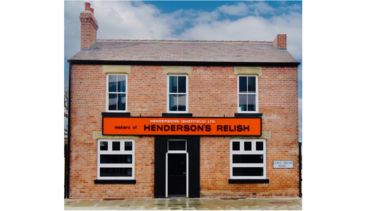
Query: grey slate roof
column 184, row 51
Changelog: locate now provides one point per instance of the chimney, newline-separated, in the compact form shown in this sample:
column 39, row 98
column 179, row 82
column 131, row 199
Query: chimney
column 89, row 26
column 280, row 41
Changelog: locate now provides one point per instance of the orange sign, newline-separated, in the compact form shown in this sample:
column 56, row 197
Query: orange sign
column 205, row 126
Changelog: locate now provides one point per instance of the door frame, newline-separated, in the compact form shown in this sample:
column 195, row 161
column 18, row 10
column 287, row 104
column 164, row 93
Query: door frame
column 186, row 167
column 193, row 150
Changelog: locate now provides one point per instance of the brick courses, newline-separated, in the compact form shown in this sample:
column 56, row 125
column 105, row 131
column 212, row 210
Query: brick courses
column 212, row 92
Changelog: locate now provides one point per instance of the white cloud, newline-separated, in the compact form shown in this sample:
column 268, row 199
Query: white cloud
column 251, row 28
column 248, row 8
column 132, row 20
column 259, row 8
column 236, row 9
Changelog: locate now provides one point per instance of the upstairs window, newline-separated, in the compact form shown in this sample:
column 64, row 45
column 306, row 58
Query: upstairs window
column 247, row 94
column 177, row 93
column 116, row 92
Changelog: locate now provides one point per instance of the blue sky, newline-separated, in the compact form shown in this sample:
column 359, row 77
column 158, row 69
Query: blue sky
column 189, row 20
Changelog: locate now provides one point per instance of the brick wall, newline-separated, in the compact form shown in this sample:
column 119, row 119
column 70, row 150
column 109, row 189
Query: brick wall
column 278, row 103
column 88, row 101
column 212, row 92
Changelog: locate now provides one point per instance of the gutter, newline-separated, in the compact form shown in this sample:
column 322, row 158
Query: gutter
column 183, row 63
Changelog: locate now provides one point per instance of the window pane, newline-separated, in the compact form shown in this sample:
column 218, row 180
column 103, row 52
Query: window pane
column 243, row 102
column 251, row 84
column 176, row 145
column 128, row 146
column 248, row 146
column 182, row 84
column 248, row 171
column 115, row 146
column 172, row 84
column 181, row 102
column 103, row 145
column 172, row 102
column 112, row 83
column 235, row 145
column 115, row 158
column 121, row 102
column 243, row 84
column 247, row 158
column 115, row 172
column 112, row 102
column 251, row 102
column 259, row 146
column 121, row 83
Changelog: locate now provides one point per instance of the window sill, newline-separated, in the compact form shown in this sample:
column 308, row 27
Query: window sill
column 248, row 114
column 115, row 114
column 248, row 181
column 102, row 181
column 176, row 114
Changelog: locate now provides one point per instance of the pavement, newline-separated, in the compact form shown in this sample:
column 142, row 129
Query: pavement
column 186, row 204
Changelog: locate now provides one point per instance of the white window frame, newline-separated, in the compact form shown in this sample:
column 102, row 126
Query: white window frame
column 107, row 94
column 256, row 94
column 114, row 165
column 251, row 152
column 187, row 93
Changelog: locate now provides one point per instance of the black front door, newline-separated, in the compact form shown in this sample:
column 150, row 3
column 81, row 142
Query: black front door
column 177, row 166
column 177, row 175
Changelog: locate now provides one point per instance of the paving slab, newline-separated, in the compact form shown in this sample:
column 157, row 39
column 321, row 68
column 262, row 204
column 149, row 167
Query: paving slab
column 186, row 204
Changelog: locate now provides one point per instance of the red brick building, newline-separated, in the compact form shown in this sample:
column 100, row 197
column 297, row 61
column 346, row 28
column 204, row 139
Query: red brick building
column 164, row 118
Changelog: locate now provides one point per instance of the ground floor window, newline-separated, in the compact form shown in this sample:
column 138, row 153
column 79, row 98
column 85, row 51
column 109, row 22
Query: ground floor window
column 248, row 159
column 115, row 159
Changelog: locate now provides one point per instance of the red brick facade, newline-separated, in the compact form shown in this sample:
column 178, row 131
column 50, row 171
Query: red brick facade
column 212, row 92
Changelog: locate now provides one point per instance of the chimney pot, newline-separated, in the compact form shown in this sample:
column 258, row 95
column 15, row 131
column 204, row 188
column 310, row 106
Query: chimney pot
column 87, row 6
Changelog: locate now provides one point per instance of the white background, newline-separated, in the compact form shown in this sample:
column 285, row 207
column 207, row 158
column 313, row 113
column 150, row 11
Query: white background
column 338, row 105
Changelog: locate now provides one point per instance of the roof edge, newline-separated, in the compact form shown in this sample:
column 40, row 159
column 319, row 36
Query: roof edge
column 182, row 63
column 185, row 41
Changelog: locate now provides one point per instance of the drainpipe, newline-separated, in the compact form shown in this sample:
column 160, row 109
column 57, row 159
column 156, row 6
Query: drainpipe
column 67, row 153
column 300, row 168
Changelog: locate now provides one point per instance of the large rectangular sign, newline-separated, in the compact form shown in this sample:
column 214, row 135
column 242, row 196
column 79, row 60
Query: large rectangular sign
column 202, row 126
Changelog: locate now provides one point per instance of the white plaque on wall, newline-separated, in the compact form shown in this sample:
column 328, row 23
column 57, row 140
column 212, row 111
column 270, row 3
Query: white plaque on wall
column 283, row 164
